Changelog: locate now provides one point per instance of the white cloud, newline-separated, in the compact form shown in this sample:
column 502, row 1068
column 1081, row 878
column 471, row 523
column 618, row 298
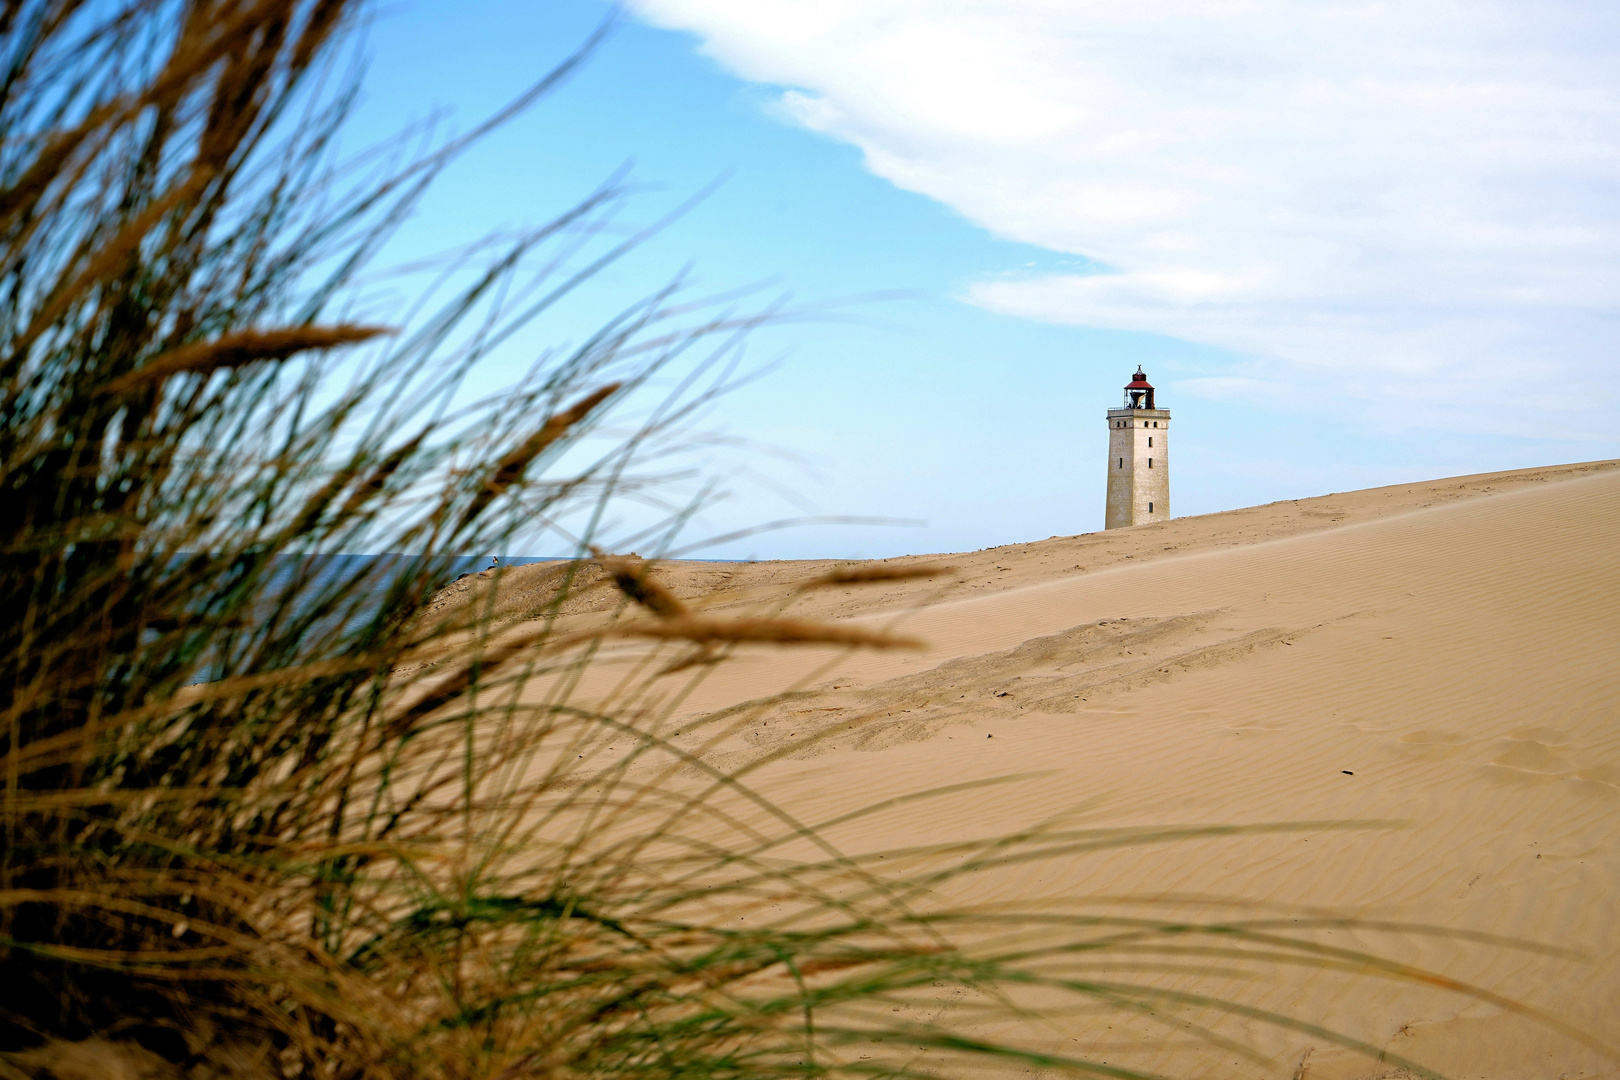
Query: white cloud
column 1344, row 191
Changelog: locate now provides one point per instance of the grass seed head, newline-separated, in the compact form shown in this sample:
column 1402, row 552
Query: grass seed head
column 633, row 576
column 765, row 631
column 861, row 575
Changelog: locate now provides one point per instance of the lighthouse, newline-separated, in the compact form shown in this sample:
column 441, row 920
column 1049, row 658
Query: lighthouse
column 1138, row 458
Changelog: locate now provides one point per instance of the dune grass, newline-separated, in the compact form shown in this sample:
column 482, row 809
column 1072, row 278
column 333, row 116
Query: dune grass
column 265, row 820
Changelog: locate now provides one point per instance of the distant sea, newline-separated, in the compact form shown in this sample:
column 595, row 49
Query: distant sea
column 320, row 572
column 316, row 575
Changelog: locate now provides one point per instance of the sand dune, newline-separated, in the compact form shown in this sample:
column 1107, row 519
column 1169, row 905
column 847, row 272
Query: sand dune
column 1436, row 661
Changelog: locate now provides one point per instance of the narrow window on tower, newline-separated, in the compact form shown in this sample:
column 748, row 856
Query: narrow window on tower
column 1122, row 463
column 1150, row 440
column 1150, row 463
column 1150, row 508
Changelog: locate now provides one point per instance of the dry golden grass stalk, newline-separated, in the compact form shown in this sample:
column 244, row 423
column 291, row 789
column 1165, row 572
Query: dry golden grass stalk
column 768, row 631
column 509, row 470
column 633, row 576
column 241, row 349
column 861, row 575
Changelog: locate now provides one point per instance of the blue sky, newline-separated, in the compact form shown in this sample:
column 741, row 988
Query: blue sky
column 972, row 398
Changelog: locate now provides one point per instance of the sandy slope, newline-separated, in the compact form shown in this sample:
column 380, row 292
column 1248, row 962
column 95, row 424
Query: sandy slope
column 1444, row 656
column 1437, row 660
column 529, row 590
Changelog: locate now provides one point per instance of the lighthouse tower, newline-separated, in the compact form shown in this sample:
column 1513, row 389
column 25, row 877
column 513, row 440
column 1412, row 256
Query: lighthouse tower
column 1138, row 458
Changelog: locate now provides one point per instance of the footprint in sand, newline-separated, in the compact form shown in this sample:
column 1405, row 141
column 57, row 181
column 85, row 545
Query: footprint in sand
column 1605, row 777
column 1432, row 744
column 1529, row 760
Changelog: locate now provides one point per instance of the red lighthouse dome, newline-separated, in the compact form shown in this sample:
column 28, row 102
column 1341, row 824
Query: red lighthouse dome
column 1139, row 392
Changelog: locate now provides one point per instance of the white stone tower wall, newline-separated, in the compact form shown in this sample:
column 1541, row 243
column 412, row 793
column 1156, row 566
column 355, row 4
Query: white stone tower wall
column 1138, row 467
